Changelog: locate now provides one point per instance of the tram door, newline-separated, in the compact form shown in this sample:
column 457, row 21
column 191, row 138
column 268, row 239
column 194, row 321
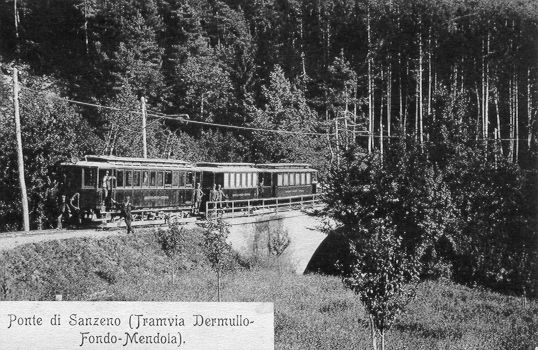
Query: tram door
column 106, row 187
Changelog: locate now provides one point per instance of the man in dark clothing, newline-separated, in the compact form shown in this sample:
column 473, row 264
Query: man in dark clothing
column 63, row 211
column 126, row 208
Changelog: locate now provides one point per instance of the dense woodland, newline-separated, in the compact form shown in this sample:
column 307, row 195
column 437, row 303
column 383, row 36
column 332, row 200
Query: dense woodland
column 453, row 82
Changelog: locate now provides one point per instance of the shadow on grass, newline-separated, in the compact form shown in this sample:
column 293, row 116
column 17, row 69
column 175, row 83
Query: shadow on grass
column 419, row 329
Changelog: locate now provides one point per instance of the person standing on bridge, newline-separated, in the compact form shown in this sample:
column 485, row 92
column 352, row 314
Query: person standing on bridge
column 220, row 196
column 214, row 196
column 197, row 195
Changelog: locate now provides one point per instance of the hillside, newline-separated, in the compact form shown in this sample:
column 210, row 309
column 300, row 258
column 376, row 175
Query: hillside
column 312, row 311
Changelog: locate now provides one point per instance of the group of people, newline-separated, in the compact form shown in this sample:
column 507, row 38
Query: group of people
column 216, row 194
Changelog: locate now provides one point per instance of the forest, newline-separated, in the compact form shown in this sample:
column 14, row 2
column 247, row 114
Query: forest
column 452, row 83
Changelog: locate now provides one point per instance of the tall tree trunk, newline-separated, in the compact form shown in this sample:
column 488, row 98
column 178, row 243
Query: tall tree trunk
column 479, row 114
column 417, row 102
column 400, row 92
column 382, row 336
column 430, row 72
column 389, row 99
column 516, row 116
column 16, row 21
column 370, row 85
column 420, row 95
column 301, row 33
column 511, row 119
column 486, row 97
column 355, row 113
column 346, row 112
column 529, row 110
column 381, row 103
column 483, row 87
column 406, row 105
column 497, row 112
column 86, row 41
column 373, row 333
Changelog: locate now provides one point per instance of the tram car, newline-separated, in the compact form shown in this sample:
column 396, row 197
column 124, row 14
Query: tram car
column 287, row 179
column 159, row 187
column 95, row 184
column 251, row 181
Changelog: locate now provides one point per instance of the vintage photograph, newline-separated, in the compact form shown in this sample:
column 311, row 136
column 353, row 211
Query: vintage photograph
column 370, row 167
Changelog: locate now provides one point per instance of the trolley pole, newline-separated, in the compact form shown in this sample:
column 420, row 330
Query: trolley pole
column 144, row 142
column 20, row 159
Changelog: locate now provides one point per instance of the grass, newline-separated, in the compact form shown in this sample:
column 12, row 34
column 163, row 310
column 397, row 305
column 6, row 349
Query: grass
column 311, row 311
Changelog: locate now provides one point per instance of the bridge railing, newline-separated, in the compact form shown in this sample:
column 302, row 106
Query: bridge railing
column 250, row 207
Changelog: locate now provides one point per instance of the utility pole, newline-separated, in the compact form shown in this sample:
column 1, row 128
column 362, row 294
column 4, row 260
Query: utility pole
column 144, row 144
column 20, row 159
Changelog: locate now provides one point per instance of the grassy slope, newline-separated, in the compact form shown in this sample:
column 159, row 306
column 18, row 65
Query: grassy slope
column 312, row 311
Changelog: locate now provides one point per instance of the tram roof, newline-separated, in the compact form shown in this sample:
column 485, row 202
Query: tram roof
column 107, row 162
column 229, row 169
column 281, row 167
column 224, row 165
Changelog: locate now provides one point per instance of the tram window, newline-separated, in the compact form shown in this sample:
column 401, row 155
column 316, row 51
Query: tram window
column 280, row 179
column 145, row 178
column 136, row 178
column 266, row 177
column 286, row 179
column 167, row 179
column 128, row 178
column 219, row 179
column 198, row 177
column 237, row 180
column 181, row 178
column 119, row 178
column 297, row 178
column 226, row 180
column 308, row 182
column 255, row 179
column 160, row 179
column 303, row 178
column 90, row 177
column 292, row 179
column 243, row 179
column 152, row 178
column 190, row 179
column 175, row 178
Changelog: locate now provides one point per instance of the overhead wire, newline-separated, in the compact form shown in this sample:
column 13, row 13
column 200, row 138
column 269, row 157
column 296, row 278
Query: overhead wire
column 180, row 118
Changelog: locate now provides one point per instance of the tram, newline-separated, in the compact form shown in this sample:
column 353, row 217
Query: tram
column 165, row 187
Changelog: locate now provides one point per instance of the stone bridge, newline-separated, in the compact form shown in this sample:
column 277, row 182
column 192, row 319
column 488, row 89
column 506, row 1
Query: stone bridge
column 259, row 235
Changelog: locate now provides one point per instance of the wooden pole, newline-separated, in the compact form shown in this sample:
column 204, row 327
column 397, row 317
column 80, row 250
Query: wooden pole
column 20, row 159
column 144, row 142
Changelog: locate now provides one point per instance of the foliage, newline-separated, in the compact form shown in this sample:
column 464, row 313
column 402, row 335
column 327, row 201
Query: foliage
column 217, row 249
column 52, row 131
column 392, row 210
column 285, row 109
column 384, row 275
column 310, row 310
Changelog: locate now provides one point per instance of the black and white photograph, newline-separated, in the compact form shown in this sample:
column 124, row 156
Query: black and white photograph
column 269, row 174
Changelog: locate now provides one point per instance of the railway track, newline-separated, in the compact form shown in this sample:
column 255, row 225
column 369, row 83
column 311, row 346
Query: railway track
column 226, row 209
